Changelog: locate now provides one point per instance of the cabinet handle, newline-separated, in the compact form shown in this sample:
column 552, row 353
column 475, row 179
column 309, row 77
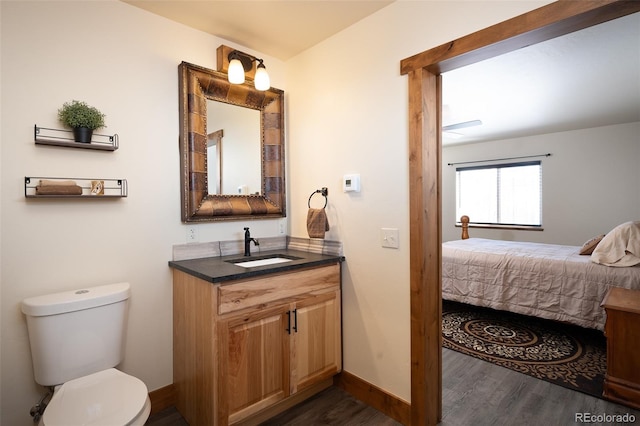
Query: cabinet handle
column 295, row 320
column 288, row 329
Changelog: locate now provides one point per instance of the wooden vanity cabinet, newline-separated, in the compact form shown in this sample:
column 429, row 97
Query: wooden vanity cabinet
column 268, row 342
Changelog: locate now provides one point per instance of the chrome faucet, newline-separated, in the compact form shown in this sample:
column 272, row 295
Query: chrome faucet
column 247, row 242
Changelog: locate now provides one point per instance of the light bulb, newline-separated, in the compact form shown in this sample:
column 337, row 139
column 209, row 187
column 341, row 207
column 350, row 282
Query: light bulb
column 262, row 81
column 236, row 72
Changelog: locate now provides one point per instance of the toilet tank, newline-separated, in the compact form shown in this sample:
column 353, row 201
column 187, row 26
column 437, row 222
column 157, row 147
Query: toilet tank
column 76, row 333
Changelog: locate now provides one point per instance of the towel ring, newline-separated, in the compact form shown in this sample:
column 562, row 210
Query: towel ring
column 324, row 192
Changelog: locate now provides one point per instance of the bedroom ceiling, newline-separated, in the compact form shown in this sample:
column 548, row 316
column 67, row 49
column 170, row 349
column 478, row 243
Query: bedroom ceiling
column 589, row 78
column 586, row 79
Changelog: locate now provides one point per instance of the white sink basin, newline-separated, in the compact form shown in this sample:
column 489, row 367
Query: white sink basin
column 262, row 262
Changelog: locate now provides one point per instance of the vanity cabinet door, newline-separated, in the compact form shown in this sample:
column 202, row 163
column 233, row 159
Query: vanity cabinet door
column 316, row 344
column 254, row 368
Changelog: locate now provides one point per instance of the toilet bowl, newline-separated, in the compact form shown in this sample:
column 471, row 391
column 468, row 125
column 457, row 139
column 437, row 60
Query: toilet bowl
column 106, row 398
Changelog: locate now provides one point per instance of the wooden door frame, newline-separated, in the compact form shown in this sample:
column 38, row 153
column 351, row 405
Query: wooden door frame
column 425, row 152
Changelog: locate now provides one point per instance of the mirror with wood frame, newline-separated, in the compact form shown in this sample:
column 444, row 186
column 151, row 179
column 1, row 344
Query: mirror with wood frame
column 197, row 86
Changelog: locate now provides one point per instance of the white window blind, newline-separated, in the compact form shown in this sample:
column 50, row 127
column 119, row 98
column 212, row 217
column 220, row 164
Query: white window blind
column 504, row 194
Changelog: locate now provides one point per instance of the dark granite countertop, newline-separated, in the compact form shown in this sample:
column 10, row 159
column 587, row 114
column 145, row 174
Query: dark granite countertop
column 218, row 269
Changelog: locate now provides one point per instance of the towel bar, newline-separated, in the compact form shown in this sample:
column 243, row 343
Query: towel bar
column 324, row 191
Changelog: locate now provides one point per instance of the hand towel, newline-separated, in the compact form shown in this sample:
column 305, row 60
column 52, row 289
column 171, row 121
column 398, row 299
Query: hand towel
column 58, row 190
column 317, row 223
column 46, row 182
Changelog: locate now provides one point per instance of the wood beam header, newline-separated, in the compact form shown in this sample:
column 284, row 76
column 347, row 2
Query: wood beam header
column 545, row 23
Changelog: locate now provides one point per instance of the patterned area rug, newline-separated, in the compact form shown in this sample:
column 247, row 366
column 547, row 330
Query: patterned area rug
column 563, row 354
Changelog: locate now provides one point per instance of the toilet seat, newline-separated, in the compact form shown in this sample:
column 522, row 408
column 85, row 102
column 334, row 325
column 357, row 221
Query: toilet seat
column 106, row 398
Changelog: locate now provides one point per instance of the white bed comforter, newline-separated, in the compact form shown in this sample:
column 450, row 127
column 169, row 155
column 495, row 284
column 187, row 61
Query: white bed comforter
column 543, row 280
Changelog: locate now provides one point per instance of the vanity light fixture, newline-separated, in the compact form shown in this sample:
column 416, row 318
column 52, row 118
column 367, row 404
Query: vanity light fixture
column 240, row 62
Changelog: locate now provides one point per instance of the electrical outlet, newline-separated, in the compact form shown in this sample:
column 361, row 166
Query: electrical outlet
column 192, row 236
column 282, row 226
column 389, row 237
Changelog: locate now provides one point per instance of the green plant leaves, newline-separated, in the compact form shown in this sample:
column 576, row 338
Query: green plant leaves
column 79, row 114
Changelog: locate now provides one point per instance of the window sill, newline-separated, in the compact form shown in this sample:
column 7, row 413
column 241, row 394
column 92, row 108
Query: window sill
column 495, row 226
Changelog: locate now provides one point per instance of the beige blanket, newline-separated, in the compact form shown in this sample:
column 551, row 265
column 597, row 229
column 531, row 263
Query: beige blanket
column 620, row 247
column 544, row 280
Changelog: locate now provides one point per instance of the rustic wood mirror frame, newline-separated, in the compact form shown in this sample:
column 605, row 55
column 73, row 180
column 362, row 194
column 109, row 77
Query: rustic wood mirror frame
column 197, row 85
column 425, row 157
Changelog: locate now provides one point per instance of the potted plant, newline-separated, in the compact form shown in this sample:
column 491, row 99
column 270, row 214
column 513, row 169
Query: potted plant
column 82, row 118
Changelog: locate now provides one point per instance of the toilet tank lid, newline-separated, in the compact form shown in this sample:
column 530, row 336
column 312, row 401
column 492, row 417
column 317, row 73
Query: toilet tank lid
column 75, row 300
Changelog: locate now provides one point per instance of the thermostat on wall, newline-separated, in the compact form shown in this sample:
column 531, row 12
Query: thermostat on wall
column 351, row 183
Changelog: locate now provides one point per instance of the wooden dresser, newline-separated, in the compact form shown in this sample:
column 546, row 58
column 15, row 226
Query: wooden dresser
column 622, row 329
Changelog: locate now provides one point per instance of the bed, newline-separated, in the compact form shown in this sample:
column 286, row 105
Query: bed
column 544, row 280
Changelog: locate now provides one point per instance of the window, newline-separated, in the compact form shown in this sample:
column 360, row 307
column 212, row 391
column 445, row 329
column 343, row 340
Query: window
column 504, row 194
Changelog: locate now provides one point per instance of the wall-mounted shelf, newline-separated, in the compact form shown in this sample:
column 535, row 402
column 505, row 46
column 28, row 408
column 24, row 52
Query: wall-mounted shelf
column 59, row 137
column 49, row 187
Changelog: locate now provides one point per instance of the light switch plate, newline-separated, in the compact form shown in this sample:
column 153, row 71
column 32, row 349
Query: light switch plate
column 389, row 237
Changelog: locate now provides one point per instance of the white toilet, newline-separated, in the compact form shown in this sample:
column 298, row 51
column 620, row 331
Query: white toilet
column 76, row 338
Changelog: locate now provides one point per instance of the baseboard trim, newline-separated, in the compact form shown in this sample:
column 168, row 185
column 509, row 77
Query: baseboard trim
column 375, row 397
column 162, row 398
column 371, row 395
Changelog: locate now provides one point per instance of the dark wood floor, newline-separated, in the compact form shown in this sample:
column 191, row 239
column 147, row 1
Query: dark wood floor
column 332, row 406
column 474, row 392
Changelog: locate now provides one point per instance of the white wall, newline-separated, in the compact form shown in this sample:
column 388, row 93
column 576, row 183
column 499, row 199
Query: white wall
column 589, row 183
column 125, row 62
column 348, row 114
